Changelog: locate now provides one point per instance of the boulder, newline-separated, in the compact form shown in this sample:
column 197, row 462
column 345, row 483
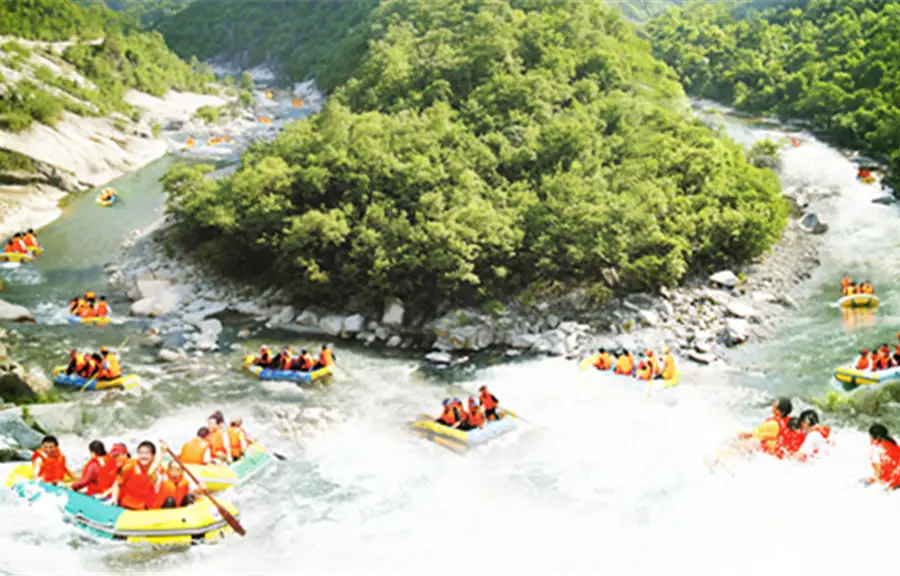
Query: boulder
column 439, row 357
column 522, row 341
column 741, row 310
column 552, row 321
column 17, row 386
column 13, row 427
column 393, row 313
column 163, row 303
column 308, row 318
column 284, row 316
column 725, row 278
column 394, row 341
column 248, row 308
column 14, row 312
column 152, row 288
column 649, row 317
column 737, row 331
column 63, row 418
column 702, row 358
column 354, row 324
column 332, row 324
column 212, row 326
column 166, row 355
column 199, row 310
column 811, row 223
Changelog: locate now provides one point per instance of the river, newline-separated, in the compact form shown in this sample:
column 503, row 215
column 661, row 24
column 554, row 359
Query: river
column 608, row 478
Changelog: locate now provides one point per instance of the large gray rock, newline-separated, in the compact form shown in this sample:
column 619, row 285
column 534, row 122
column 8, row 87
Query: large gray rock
column 702, row 358
column 354, row 324
column 308, row 318
column 63, row 418
column 164, row 303
column 284, row 316
column 152, row 288
column 741, row 310
column 166, row 355
column 470, row 337
column 522, row 341
column 725, row 278
column 14, row 312
column 649, row 317
column 811, row 223
column 737, row 331
column 332, row 324
column 13, row 427
column 199, row 310
column 393, row 313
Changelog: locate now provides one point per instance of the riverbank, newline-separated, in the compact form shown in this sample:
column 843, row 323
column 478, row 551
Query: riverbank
column 699, row 320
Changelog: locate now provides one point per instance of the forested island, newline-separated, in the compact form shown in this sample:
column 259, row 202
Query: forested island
column 833, row 63
column 477, row 150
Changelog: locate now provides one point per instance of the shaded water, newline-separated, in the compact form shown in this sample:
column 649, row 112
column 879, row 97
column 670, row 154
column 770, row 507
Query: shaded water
column 610, row 477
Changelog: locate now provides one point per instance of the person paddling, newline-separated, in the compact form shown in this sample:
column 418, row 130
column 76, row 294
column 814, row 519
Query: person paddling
column 773, row 427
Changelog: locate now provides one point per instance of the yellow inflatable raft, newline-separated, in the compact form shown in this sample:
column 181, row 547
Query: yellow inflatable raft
column 859, row 301
column 459, row 441
column 218, row 477
column 15, row 257
column 89, row 320
column 868, row 180
column 35, row 250
column 109, row 201
column 849, row 379
column 588, row 363
column 195, row 524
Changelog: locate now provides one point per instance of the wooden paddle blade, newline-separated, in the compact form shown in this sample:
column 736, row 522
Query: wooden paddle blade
column 279, row 456
column 232, row 521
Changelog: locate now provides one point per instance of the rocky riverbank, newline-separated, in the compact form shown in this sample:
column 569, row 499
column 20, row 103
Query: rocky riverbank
column 700, row 320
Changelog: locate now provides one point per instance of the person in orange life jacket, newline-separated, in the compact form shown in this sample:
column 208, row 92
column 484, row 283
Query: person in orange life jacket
column 19, row 243
column 653, row 362
column 238, row 440
column 77, row 362
column 304, row 362
column 476, row 417
column 790, row 440
column 173, row 490
column 73, row 305
column 102, row 307
column 773, row 427
column 449, row 416
column 135, row 487
column 49, row 464
column 264, row 358
column 197, row 450
column 489, row 403
column 864, row 362
column 282, row 360
column 99, row 474
column 120, row 455
column 817, row 436
column 845, row 283
column 326, row 358
column 218, row 439
column 94, row 363
column 644, row 371
column 603, row 361
column 110, row 369
column 462, row 414
column 885, row 458
column 29, row 239
column 668, row 368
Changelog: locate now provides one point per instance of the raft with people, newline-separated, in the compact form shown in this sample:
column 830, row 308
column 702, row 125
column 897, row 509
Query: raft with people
column 646, row 369
column 96, row 371
column 869, row 370
column 123, row 382
column 220, row 476
column 197, row 523
column 861, row 295
column 89, row 320
column 88, row 310
column 21, row 247
column 865, row 176
column 285, row 366
column 459, row 429
column 107, row 197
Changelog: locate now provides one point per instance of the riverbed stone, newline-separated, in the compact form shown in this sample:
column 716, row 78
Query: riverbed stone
column 212, row 326
column 394, row 341
column 737, row 331
column 393, row 313
column 151, row 287
column 166, row 355
column 741, row 310
column 61, row 418
column 439, row 357
column 15, row 313
column 332, row 324
column 13, row 427
column 649, row 317
column 522, row 341
column 725, row 278
column 308, row 318
column 811, row 223
column 282, row 317
column 702, row 358
column 354, row 324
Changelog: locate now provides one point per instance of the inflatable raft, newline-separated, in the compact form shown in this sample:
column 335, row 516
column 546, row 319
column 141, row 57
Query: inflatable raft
column 217, row 477
column 15, row 257
column 848, row 379
column 867, row 179
column 288, row 375
column 588, row 363
column 107, row 203
column 35, row 250
column 90, row 321
column 195, row 524
column 125, row 382
column 859, row 301
column 459, row 441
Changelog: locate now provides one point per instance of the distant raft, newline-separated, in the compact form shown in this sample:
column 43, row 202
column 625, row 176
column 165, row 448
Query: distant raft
column 867, row 180
column 426, row 427
column 859, row 301
column 848, row 379
column 285, row 375
column 110, row 200
column 218, row 477
column 21, row 257
column 195, row 524
column 90, row 320
column 588, row 363
column 124, row 382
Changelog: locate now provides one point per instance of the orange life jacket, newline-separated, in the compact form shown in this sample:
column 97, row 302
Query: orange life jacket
column 106, row 475
column 236, row 437
column 865, row 362
column 768, row 446
column 644, row 371
column 137, row 489
column 448, row 416
column 603, row 362
column 488, row 401
column 669, row 370
column 52, row 468
column 788, row 442
column 194, row 451
column 30, row 240
column 306, row 362
column 476, row 417
column 110, row 369
column 217, row 442
column 170, row 489
column 325, row 358
column 887, row 470
column 284, row 361
column 102, row 309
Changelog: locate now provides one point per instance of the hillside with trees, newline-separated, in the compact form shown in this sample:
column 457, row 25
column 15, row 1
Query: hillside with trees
column 834, row 63
column 483, row 149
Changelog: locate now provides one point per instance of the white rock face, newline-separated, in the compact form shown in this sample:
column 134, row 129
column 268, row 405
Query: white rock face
column 393, row 313
column 14, row 313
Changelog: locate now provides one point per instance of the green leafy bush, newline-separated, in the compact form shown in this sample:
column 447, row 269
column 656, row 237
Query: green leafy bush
column 482, row 149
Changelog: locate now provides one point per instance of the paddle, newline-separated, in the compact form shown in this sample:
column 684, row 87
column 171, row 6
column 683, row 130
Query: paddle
column 232, row 521
column 95, row 375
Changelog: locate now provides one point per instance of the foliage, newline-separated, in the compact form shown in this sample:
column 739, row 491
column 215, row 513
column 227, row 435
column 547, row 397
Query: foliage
column 147, row 12
column 483, row 148
column 208, row 114
column 11, row 161
column 305, row 38
column 23, row 103
column 835, row 63
column 53, row 20
column 765, row 154
column 156, row 127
